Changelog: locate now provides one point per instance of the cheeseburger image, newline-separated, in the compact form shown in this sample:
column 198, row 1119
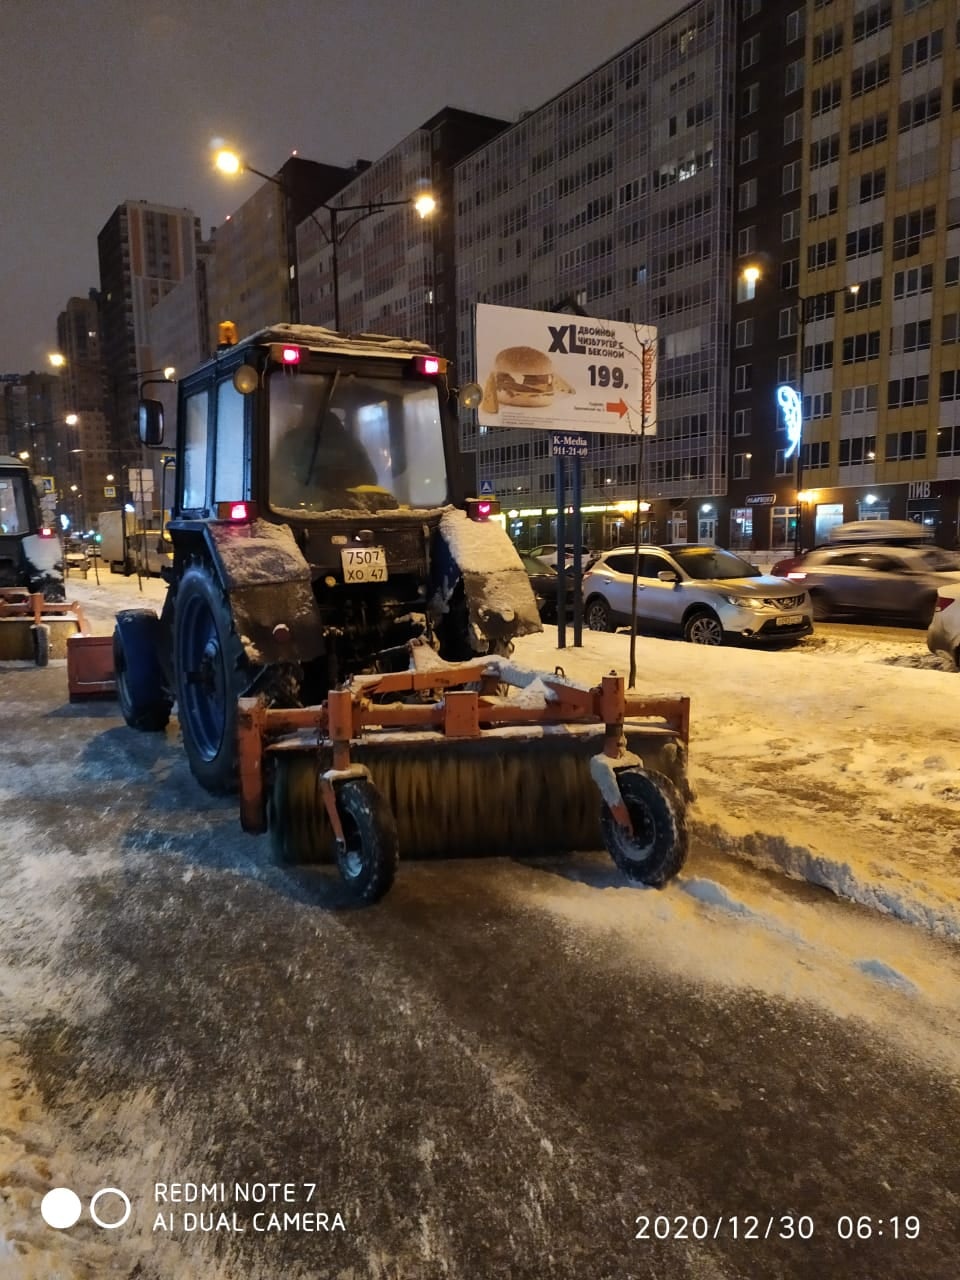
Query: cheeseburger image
column 524, row 377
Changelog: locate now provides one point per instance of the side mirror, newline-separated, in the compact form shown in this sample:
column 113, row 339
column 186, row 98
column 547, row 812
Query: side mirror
column 668, row 575
column 151, row 423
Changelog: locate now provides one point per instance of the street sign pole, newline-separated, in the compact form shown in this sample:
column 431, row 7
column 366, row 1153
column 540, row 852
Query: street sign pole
column 561, row 554
column 577, row 554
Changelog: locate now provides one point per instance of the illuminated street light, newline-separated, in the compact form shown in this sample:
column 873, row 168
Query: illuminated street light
column 228, row 162
column 57, row 360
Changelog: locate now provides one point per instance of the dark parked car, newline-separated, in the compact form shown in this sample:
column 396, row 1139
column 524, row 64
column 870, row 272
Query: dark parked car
column 873, row 579
column 545, row 582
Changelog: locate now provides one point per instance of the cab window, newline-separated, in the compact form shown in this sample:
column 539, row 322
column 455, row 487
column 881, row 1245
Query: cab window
column 195, row 451
column 229, row 469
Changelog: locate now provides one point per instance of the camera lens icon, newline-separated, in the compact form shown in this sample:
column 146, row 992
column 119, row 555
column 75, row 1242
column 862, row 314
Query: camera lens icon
column 61, row 1208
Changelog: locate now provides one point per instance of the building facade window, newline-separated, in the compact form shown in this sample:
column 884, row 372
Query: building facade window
column 857, row 451
column 901, row 446
column 903, row 392
column 742, row 422
column 871, row 20
column 870, row 76
column 867, row 132
column 917, row 53
column 861, row 346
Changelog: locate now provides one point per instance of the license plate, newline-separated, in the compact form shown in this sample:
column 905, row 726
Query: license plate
column 789, row 619
column 364, row 564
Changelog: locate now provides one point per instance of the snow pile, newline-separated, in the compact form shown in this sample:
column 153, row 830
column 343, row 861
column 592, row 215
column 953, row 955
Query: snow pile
column 827, row 765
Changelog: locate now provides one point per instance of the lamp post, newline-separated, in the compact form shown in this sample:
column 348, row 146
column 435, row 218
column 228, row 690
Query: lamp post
column 230, row 163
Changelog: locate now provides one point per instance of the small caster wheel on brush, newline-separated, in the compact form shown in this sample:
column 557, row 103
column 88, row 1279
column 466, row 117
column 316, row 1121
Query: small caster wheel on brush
column 41, row 644
column 657, row 848
column 370, row 853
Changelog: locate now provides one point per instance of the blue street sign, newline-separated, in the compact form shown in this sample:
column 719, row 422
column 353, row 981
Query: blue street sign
column 486, row 488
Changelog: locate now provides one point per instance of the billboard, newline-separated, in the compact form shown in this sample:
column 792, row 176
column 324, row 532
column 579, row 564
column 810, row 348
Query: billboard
column 555, row 371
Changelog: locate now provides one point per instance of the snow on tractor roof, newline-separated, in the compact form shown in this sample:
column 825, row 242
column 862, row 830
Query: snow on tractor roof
column 318, row 338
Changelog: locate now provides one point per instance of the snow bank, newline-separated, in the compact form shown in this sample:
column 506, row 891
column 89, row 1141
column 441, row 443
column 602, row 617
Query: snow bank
column 824, row 761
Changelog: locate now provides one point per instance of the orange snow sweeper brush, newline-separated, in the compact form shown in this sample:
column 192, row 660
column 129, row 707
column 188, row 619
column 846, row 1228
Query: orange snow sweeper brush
column 460, row 759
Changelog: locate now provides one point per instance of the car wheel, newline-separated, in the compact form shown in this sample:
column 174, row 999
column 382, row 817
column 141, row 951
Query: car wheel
column 924, row 615
column 821, row 604
column 703, row 627
column 597, row 615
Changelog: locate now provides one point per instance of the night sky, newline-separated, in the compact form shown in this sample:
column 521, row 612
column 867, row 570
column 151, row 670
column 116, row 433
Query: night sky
column 109, row 100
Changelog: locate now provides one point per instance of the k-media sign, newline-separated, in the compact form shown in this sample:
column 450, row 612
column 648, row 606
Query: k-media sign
column 549, row 370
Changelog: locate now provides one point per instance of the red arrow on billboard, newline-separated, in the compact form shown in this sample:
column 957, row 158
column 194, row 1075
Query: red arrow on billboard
column 618, row 407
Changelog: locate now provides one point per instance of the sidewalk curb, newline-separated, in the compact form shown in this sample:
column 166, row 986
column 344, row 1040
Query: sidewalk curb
column 902, row 899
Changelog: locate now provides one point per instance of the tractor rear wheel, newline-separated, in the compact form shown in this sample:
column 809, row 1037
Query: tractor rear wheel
column 211, row 674
column 143, row 699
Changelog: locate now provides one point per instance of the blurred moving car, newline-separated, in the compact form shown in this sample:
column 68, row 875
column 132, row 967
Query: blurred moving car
column 548, row 553
column 705, row 593
column 880, row 579
column 943, row 634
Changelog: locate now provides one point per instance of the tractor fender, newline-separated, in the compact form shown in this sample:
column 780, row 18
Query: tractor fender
column 267, row 582
column 500, row 600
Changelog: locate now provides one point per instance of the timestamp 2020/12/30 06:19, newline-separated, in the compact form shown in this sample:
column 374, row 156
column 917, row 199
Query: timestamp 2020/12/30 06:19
column 784, row 1226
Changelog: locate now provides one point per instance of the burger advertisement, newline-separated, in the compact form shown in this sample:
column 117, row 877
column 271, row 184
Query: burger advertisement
column 557, row 371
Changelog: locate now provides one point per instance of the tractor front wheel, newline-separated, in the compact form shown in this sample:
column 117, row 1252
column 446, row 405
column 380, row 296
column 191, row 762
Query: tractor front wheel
column 144, row 701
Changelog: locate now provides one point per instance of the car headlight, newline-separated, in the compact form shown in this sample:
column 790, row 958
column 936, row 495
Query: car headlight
column 744, row 602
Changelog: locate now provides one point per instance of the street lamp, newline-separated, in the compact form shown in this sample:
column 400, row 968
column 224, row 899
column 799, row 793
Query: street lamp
column 230, row 163
column 789, row 399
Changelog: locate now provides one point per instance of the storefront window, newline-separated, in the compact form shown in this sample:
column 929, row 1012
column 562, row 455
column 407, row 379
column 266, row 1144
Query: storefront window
column 741, row 528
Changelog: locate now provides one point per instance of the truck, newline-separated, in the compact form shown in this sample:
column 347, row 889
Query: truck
column 128, row 545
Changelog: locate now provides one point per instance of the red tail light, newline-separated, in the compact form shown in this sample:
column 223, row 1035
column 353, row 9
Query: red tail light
column 238, row 512
column 482, row 508
column 943, row 602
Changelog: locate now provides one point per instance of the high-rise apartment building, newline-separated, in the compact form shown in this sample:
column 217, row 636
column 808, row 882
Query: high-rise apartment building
column 613, row 198
column 33, row 427
column 877, row 190
column 758, row 511
column 78, row 340
column 144, row 250
column 395, row 272
column 254, row 274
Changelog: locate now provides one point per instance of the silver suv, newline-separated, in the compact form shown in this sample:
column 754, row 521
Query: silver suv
column 704, row 593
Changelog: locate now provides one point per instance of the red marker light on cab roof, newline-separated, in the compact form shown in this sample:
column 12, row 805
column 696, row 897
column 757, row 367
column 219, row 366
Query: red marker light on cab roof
column 483, row 510
column 429, row 365
column 46, row 533
column 238, row 511
column 290, row 355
